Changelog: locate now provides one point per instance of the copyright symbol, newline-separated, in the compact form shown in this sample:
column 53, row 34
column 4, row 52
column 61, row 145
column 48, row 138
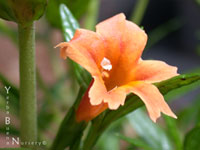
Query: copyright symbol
column 44, row 142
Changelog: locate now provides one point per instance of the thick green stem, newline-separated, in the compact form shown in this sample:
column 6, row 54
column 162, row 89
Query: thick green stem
column 28, row 115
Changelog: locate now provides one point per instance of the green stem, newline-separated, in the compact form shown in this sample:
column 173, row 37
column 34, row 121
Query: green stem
column 139, row 11
column 94, row 133
column 70, row 131
column 92, row 15
column 92, row 137
column 28, row 116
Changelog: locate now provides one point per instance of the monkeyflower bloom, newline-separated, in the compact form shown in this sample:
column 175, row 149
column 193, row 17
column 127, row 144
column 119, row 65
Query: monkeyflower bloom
column 112, row 55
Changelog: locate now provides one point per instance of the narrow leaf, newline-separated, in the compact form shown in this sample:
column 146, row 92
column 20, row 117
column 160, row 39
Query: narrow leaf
column 149, row 131
column 192, row 139
column 70, row 131
column 189, row 115
column 135, row 142
column 173, row 132
column 69, row 26
column 69, row 23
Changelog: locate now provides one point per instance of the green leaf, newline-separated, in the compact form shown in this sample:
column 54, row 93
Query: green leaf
column 69, row 23
column 182, row 91
column 108, row 141
column 185, row 89
column 149, row 131
column 173, row 132
column 189, row 115
column 192, row 139
column 45, row 117
column 69, row 26
column 77, row 7
column 135, row 142
column 70, row 130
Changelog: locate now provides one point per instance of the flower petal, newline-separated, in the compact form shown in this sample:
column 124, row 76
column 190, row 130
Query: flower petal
column 86, row 111
column 97, row 91
column 112, row 31
column 98, row 94
column 153, row 71
column 97, row 99
column 152, row 98
column 86, row 49
column 125, row 42
column 115, row 98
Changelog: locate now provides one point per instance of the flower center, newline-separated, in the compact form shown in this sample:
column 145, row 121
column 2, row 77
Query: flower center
column 106, row 66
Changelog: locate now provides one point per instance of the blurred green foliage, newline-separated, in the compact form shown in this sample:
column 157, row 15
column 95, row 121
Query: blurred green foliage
column 136, row 142
column 13, row 94
column 5, row 30
column 70, row 126
column 15, row 149
column 198, row 1
column 170, row 134
column 173, row 132
column 192, row 139
column 151, row 133
column 77, row 7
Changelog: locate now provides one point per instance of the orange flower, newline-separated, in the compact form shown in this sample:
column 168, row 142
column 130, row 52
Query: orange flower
column 112, row 55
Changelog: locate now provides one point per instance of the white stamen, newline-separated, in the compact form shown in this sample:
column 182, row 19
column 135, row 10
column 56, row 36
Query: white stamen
column 106, row 64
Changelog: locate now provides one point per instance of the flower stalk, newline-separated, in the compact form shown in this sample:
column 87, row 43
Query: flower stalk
column 28, row 115
column 139, row 11
column 70, row 131
column 94, row 133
